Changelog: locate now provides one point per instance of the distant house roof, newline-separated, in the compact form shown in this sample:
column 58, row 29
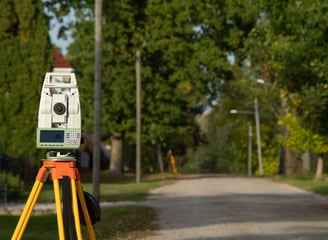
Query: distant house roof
column 60, row 64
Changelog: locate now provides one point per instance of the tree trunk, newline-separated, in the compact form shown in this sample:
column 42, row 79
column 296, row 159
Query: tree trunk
column 306, row 162
column 160, row 158
column 115, row 166
column 282, row 156
column 319, row 171
column 290, row 162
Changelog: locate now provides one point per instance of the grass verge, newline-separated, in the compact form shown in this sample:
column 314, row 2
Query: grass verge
column 305, row 182
column 126, row 223
column 112, row 188
column 117, row 223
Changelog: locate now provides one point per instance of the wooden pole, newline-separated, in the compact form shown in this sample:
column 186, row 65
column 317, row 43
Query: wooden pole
column 258, row 134
column 97, row 100
column 249, row 162
column 138, row 113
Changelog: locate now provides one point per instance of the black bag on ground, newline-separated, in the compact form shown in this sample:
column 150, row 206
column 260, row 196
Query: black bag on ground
column 92, row 207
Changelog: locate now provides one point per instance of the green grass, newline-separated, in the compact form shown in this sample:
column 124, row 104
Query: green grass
column 125, row 223
column 306, row 182
column 38, row 226
column 111, row 189
column 116, row 223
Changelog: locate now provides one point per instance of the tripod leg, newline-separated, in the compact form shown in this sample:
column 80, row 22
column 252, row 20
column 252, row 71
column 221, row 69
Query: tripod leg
column 85, row 211
column 23, row 220
column 76, row 210
column 58, row 210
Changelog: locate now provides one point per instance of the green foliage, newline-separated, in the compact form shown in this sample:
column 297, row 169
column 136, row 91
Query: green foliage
column 120, row 45
column 10, row 179
column 184, row 47
column 300, row 138
column 295, row 49
column 14, row 184
column 307, row 183
column 228, row 135
column 25, row 57
column 313, row 102
column 172, row 95
column 128, row 223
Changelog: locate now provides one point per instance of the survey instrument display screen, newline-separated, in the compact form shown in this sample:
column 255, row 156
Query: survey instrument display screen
column 58, row 138
column 51, row 136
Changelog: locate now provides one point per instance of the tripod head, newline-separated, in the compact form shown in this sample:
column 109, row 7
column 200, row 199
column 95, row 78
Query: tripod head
column 60, row 155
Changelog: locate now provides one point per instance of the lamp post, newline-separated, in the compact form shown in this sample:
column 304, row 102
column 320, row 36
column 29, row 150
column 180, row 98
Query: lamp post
column 249, row 160
column 281, row 113
column 258, row 132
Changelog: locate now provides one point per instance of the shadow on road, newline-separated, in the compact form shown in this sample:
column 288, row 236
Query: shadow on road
column 254, row 209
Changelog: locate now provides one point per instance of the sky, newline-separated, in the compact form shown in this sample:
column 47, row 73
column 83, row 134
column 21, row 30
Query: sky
column 62, row 44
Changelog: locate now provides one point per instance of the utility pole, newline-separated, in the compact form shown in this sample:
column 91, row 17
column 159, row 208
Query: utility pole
column 97, row 101
column 249, row 162
column 138, row 114
column 258, row 134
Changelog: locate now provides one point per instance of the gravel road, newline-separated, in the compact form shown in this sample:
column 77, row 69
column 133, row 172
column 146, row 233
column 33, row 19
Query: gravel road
column 236, row 208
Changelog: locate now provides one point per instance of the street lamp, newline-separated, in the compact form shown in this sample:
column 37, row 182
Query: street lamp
column 261, row 81
column 282, row 156
column 258, row 134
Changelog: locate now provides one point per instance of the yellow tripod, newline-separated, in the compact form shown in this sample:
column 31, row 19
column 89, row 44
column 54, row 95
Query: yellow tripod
column 68, row 220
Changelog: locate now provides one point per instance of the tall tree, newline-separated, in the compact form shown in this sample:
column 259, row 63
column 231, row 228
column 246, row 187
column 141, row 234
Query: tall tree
column 170, row 97
column 296, row 53
column 184, row 47
column 226, row 25
column 185, row 65
column 122, row 19
column 25, row 57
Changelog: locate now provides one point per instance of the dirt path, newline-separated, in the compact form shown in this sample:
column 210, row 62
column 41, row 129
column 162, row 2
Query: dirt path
column 232, row 208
